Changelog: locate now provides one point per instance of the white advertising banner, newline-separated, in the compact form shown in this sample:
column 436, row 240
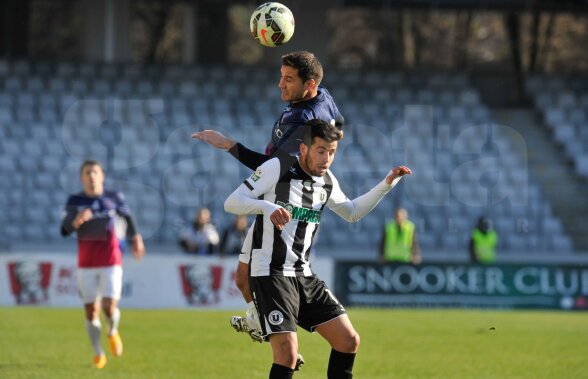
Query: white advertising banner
column 157, row 281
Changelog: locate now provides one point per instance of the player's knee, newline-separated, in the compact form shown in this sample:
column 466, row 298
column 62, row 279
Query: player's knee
column 351, row 343
column 108, row 307
column 355, row 342
column 287, row 353
column 91, row 314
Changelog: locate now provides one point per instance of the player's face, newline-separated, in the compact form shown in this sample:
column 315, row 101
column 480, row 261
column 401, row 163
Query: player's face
column 93, row 180
column 292, row 88
column 317, row 159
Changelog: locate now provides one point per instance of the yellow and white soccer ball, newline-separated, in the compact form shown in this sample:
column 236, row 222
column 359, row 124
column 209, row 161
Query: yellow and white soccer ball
column 272, row 24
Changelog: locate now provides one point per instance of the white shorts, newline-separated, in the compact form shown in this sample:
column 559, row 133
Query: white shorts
column 99, row 282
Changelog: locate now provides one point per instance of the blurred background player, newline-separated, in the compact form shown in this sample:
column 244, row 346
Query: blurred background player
column 301, row 75
column 91, row 214
column 399, row 240
column 483, row 241
column 233, row 236
column 201, row 237
column 288, row 195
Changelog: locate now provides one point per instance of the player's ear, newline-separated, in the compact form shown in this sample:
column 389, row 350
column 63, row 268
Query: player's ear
column 310, row 84
column 303, row 149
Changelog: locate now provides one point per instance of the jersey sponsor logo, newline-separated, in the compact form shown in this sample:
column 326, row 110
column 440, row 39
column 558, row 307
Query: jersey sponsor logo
column 276, row 318
column 256, row 175
column 301, row 213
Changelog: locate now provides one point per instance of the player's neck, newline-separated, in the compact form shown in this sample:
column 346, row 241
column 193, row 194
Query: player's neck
column 308, row 96
column 93, row 192
column 304, row 167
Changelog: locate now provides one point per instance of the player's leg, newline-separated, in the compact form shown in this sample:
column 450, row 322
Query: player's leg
column 88, row 288
column 277, row 302
column 344, row 341
column 242, row 281
column 111, row 288
column 322, row 312
column 250, row 323
column 285, row 354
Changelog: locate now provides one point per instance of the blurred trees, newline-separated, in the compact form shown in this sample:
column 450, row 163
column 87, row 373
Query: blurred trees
column 457, row 39
column 207, row 31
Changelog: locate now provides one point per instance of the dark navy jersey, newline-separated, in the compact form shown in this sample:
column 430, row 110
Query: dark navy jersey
column 98, row 243
column 286, row 134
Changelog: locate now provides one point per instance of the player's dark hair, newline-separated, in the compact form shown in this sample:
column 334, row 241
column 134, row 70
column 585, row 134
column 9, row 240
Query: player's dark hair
column 308, row 66
column 90, row 162
column 321, row 129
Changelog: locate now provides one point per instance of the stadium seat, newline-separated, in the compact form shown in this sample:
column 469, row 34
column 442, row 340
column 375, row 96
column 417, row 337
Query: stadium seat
column 561, row 244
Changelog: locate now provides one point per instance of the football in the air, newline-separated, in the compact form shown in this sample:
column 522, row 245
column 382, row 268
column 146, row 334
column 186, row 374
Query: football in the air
column 272, row 24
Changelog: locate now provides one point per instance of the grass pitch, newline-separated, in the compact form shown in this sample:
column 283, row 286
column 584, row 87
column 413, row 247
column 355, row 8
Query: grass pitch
column 395, row 343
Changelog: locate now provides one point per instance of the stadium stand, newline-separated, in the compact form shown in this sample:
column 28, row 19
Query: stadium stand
column 564, row 103
column 138, row 120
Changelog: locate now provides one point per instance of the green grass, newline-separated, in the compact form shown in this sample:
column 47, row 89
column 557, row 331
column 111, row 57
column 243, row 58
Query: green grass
column 51, row 343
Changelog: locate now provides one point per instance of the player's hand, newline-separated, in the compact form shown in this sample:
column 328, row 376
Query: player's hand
column 280, row 218
column 214, row 138
column 81, row 218
column 138, row 248
column 398, row 172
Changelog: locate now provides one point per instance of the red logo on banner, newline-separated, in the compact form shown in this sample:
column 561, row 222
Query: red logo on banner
column 201, row 283
column 29, row 281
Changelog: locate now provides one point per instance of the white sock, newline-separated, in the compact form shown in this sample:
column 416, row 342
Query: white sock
column 113, row 322
column 94, row 329
column 251, row 317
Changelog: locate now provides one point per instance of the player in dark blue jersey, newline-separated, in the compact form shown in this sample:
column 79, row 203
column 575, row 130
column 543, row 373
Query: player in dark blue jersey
column 92, row 214
column 301, row 75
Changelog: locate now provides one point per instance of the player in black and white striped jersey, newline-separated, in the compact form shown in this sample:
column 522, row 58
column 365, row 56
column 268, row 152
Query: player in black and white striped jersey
column 288, row 195
column 301, row 75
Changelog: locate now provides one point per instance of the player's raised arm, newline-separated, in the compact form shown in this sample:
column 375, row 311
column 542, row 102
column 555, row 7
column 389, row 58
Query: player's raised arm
column 354, row 210
column 396, row 174
column 249, row 158
column 245, row 199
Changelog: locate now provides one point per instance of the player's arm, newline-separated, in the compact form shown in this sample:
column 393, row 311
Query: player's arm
column 72, row 219
column 249, row 158
column 245, row 200
column 354, row 210
column 137, row 244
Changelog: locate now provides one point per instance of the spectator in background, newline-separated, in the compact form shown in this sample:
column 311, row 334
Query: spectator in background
column 399, row 241
column 234, row 236
column 483, row 241
column 201, row 237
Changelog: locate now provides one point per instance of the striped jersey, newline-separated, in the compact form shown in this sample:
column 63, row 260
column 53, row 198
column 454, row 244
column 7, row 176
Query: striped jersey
column 281, row 182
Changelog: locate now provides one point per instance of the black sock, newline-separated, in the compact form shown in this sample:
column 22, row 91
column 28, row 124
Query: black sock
column 340, row 365
column 281, row 372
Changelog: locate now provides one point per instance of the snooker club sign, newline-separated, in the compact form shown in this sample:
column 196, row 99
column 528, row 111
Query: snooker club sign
column 455, row 285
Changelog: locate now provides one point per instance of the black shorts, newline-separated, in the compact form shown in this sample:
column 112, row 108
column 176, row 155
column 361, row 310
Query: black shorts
column 285, row 301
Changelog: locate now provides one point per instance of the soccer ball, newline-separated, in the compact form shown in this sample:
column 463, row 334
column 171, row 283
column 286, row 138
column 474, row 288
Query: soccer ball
column 272, row 24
